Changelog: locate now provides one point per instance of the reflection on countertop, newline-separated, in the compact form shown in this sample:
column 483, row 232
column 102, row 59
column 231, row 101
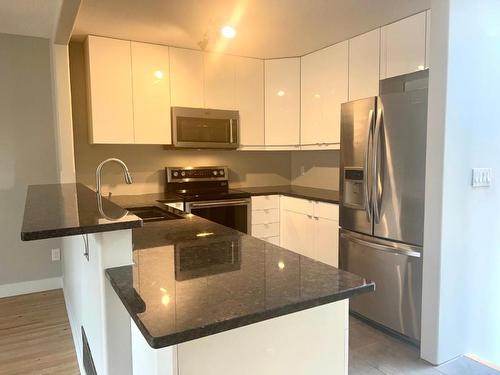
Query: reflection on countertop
column 193, row 278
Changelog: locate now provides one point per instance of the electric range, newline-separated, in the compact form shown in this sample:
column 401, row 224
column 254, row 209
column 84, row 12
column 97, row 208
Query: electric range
column 205, row 192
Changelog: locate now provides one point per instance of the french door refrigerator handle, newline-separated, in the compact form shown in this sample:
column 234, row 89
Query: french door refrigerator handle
column 366, row 166
column 389, row 249
column 377, row 178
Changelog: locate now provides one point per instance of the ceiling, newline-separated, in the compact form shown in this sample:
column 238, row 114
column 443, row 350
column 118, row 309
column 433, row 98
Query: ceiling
column 265, row 28
column 29, row 17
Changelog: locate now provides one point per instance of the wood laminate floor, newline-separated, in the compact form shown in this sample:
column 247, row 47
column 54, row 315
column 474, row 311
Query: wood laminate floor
column 35, row 336
column 373, row 352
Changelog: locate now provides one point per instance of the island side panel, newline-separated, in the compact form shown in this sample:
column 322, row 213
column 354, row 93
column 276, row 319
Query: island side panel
column 313, row 341
column 91, row 301
column 149, row 361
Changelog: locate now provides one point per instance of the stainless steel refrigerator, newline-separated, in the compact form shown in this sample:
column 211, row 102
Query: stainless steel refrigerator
column 382, row 177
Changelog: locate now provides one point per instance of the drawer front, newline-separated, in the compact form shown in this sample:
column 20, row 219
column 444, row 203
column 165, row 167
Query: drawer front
column 266, row 216
column 326, row 210
column 266, row 230
column 265, row 202
column 301, row 206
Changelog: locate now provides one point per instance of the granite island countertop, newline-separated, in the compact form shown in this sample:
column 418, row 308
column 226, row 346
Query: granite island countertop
column 193, row 278
column 58, row 210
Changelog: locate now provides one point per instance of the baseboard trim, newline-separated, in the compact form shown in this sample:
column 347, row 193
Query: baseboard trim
column 33, row 286
column 474, row 357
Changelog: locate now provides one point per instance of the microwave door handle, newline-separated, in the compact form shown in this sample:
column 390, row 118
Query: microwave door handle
column 231, row 140
column 232, row 123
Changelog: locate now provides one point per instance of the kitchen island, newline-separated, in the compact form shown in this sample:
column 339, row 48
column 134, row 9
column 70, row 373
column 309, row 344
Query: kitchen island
column 206, row 299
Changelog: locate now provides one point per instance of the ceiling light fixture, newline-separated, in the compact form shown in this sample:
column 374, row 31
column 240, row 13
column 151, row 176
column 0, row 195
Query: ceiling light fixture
column 228, row 32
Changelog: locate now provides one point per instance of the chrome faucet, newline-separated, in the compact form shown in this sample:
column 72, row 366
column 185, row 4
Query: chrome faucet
column 126, row 173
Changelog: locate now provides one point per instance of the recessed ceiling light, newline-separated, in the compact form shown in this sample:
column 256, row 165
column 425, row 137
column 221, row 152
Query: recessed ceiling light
column 228, row 32
column 280, row 93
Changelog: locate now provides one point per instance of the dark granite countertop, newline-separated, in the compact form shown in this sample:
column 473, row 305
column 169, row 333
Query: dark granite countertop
column 58, row 210
column 193, row 278
column 323, row 195
column 140, row 200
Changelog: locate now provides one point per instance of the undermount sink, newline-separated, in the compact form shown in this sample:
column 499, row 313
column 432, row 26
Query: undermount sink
column 153, row 213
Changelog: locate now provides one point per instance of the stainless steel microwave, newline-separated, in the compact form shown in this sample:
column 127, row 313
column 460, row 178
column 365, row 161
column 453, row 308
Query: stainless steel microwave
column 205, row 128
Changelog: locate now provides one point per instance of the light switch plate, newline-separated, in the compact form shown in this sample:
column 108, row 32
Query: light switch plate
column 481, row 177
column 56, row 255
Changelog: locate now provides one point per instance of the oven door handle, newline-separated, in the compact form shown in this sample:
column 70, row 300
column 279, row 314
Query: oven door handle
column 219, row 203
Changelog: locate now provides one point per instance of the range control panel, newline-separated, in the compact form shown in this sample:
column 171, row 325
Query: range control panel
column 187, row 174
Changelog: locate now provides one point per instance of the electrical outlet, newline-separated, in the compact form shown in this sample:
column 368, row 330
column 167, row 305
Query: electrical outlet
column 302, row 170
column 56, row 255
column 481, row 177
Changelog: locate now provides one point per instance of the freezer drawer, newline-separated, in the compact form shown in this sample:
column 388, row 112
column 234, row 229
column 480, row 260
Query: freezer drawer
column 397, row 273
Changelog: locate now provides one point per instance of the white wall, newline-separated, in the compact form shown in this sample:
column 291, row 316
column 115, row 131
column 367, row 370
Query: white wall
column 462, row 225
column 27, row 153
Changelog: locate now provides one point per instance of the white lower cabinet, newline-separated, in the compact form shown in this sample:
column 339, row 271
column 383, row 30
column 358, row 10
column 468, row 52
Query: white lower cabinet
column 310, row 228
column 304, row 226
column 297, row 233
column 266, row 218
column 326, row 241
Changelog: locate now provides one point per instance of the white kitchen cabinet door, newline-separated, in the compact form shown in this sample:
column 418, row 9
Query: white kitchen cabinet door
column 219, row 81
column 282, row 102
column 186, row 78
column 403, row 46
column 427, row 37
column 324, row 86
column 151, row 93
column 250, row 100
column 297, row 233
column 364, row 65
column 326, row 241
column 109, row 90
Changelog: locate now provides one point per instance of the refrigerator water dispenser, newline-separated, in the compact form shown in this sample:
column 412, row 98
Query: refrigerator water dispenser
column 353, row 188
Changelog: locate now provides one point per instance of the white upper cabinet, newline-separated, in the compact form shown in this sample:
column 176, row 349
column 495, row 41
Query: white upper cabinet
column 109, row 89
column 324, row 86
column 219, row 81
column 249, row 96
column 282, row 101
column 364, row 65
column 427, row 37
column 403, row 46
column 151, row 93
column 186, row 78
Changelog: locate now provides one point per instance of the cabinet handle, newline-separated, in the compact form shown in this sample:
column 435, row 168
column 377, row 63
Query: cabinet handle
column 86, row 243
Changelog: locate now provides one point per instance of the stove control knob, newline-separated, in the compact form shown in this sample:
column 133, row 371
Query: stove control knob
column 176, row 174
column 183, row 174
column 221, row 172
column 215, row 173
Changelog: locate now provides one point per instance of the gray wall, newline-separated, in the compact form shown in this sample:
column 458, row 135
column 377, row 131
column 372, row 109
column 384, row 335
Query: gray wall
column 462, row 224
column 316, row 169
column 27, row 152
column 147, row 163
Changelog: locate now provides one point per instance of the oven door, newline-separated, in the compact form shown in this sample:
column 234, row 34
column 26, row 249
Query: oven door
column 204, row 128
column 233, row 213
